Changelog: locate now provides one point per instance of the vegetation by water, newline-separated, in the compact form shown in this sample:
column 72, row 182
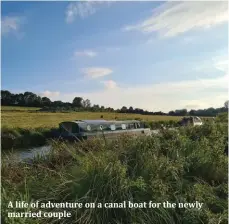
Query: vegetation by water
column 19, row 138
column 185, row 166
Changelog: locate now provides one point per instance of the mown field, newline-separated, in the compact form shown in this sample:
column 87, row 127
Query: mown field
column 177, row 166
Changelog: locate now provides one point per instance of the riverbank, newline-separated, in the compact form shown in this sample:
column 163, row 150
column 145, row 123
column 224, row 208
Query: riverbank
column 185, row 166
column 19, row 138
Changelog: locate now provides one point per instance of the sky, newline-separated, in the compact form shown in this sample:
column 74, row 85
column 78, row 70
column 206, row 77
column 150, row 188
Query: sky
column 158, row 56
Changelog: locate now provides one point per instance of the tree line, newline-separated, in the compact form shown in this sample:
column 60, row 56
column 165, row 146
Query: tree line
column 29, row 99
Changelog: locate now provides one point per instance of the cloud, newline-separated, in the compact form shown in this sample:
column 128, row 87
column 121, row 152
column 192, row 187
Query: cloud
column 204, row 102
column 11, row 24
column 174, row 18
column 82, row 9
column 87, row 53
column 96, row 72
column 162, row 96
column 49, row 94
column 221, row 63
column 109, row 84
column 92, row 53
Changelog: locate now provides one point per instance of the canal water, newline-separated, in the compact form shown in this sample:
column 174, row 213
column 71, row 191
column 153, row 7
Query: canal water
column 26, row 154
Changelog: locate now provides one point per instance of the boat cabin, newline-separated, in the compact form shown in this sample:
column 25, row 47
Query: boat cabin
column 91, row 128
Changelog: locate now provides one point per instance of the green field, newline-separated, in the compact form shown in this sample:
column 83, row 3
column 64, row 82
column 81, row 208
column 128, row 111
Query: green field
column 21, row 117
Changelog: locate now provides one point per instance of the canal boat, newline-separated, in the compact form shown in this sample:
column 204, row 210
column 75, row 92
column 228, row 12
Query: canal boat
column 191, row 121
column 86, row 129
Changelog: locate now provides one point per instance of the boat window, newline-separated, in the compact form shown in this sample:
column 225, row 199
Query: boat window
column 123, row 126
column 88, row 127
column 94, row 127
column 106, row 127
column 83, row 128
column 112, row 127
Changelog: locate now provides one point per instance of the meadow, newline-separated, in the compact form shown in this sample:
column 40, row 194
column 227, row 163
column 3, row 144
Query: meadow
column 177, row 166
column 21, row 117
column 17, row 108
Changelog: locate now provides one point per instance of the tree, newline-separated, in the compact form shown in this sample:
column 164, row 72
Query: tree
column 95, row 107
column 123, row 109
column 37, row 101
column 109, row 109
column 77, row 102
column 6, row 97
column 57, row 103
column 192, row 112
column 131, row 109
column 20, row 99
column 182, row 112
column 45, row 101
column 171, row 113
column 226, row 104
column 29, row 98
column 86, row 103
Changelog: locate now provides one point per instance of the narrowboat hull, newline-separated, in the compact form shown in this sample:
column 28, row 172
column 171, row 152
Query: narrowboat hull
column 106, row 135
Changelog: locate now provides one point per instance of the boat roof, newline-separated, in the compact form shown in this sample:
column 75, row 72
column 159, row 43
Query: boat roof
column 192, row 117
column 101, row 121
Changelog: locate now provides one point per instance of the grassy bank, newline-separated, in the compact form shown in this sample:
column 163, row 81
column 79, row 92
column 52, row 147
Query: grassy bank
column 18, row 138
column 187, row 166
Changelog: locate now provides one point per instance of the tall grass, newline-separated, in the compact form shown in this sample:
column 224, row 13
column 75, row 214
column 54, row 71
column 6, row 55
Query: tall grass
column 16, row 138
column 185, row 166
